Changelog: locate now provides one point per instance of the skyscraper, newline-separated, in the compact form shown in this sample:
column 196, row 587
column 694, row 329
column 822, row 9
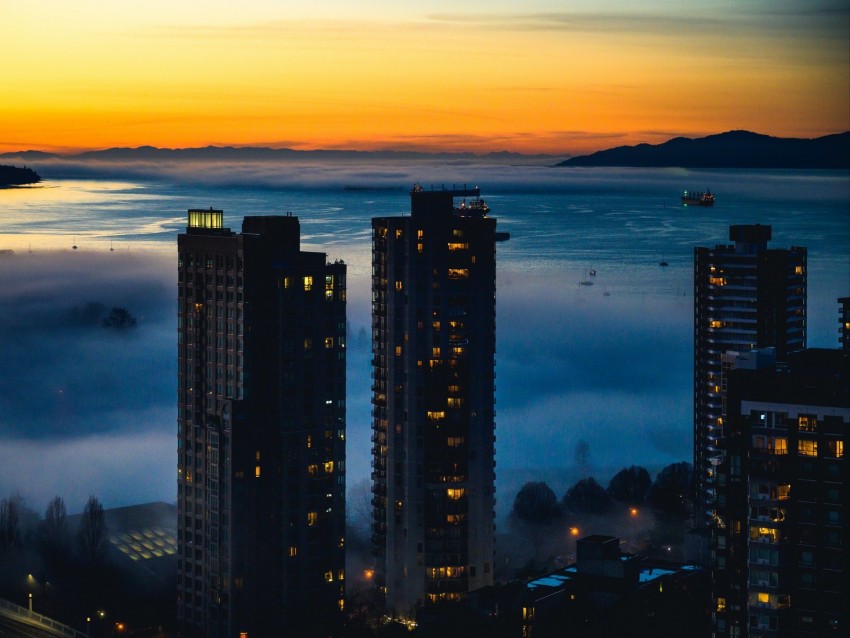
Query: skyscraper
column 434, row 338
column 261, row 429
column 781, row 545
column 745, row 296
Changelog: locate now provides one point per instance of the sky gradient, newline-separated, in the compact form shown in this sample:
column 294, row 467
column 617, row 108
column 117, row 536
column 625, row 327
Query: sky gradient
column 534, row 76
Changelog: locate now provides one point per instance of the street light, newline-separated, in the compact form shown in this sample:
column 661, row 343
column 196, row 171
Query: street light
column 88, row 624
column 30, row 598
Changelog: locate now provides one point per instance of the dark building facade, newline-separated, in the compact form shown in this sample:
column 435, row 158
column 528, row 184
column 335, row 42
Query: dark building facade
column 433, row 344
column 746, row 296
column 261, row 429
column 844, row 323
column 781, row 541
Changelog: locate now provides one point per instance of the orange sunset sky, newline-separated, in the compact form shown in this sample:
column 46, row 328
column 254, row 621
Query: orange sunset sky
column 480, row 75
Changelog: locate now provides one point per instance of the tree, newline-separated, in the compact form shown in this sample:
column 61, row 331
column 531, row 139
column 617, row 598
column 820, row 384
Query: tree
column 582, row 457
column 672, row 490
column 54, row 527
column 630, row 485
column 10, row 536
column 119, row 319
column 587, row 497
column 92, row 533
column 536, row 504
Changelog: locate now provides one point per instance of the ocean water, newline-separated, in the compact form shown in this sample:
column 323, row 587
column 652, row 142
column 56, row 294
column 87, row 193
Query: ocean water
column 609, row 363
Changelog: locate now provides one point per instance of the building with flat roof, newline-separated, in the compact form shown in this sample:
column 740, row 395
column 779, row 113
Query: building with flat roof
column 260, row 430
column 781, row 539
column 746, row 296
column 433, row 427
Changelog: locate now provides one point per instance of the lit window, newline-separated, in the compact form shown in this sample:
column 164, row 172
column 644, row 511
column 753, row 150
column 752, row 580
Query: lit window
column 763, row 597
column 257, row 471
column 835, row 449
column 341, row 604
column 458, row 246
column 399, row 286
column 435, row 351
column 783, row 492
column 721, row 604
column 454, row 441
column 807, row 424
column 458, row 273
column 798, row 270
column 308, row 343
column 329, row 342
column 436, row 415
column 807, row 447
column 454, row 519
column 329, row 282
column 398, row 351
column 715, row 324
column 312, row 469
column 420, row 234
column 419, row 248
column 329, row 467
column 435, row 325
column 340, row 575
column 329, row 576
column 399, row 233
column 312, row 518
column 455, row 493
column 455, row 402
column 293, row 551
column 308, row 283
column 287, row 282
column 717, row 281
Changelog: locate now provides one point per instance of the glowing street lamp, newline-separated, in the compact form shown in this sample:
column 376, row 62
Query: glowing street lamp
column 633, row 511
column 574, row 532
column 30, row 599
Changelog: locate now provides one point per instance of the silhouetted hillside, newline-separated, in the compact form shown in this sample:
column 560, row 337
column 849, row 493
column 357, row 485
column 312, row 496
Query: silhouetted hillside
column 734, row 149
column 14, row 176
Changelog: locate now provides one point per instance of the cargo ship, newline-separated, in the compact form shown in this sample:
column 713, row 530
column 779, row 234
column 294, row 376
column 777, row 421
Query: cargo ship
column 693, row 198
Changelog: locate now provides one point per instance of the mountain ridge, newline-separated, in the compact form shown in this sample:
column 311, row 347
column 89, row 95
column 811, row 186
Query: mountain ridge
column 732, row 149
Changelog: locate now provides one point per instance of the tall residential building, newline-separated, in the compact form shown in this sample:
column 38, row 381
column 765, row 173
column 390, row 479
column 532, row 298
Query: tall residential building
column 781, row 545
column 844, row 322
column 261, row 430
column 746, row 296
column 433, row 345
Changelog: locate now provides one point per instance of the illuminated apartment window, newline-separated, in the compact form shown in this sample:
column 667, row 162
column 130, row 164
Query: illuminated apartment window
column 329, row 342
column 435, row 325
column 807, row 447
column 715, row 324
column 399, row 233
column 454, row 441
column 329, row 282
column 329, row 576
column 783, row 492
column 455, row 493
column 341, row 604
column 454, row 519
column 436, row 415
column 807, row 424
column 398, row 351
column 721, row 604
column 717, row 281
column 455, row 402
column 293, row 551
column 420, row 233
column 287, row 282
column 458, row 273
column 308, row 343
column 435, row 352
column 835, row 449
column 312, row 469
column 329, row 467
column 257, row 471
column 312, row 518
column 798, row 270
column 419, row 248
column 458, row 246
column 308, row 283
column 399, row 286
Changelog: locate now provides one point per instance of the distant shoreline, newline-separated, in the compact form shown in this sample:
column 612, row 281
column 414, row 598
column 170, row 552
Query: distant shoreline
column 14, row 176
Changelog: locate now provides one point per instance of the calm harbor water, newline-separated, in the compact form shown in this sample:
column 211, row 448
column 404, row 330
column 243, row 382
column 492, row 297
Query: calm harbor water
column 608, row 363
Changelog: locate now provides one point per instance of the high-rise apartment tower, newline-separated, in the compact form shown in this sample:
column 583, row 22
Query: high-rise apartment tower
column 433, row 344
column 746, row 296
column 261, row 430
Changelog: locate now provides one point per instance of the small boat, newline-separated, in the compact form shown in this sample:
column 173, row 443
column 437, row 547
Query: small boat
column 694, row 198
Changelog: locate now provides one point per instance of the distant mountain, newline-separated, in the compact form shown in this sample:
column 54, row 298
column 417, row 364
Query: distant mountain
column 14, row 176
column 734, row 149
column 257, row 153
